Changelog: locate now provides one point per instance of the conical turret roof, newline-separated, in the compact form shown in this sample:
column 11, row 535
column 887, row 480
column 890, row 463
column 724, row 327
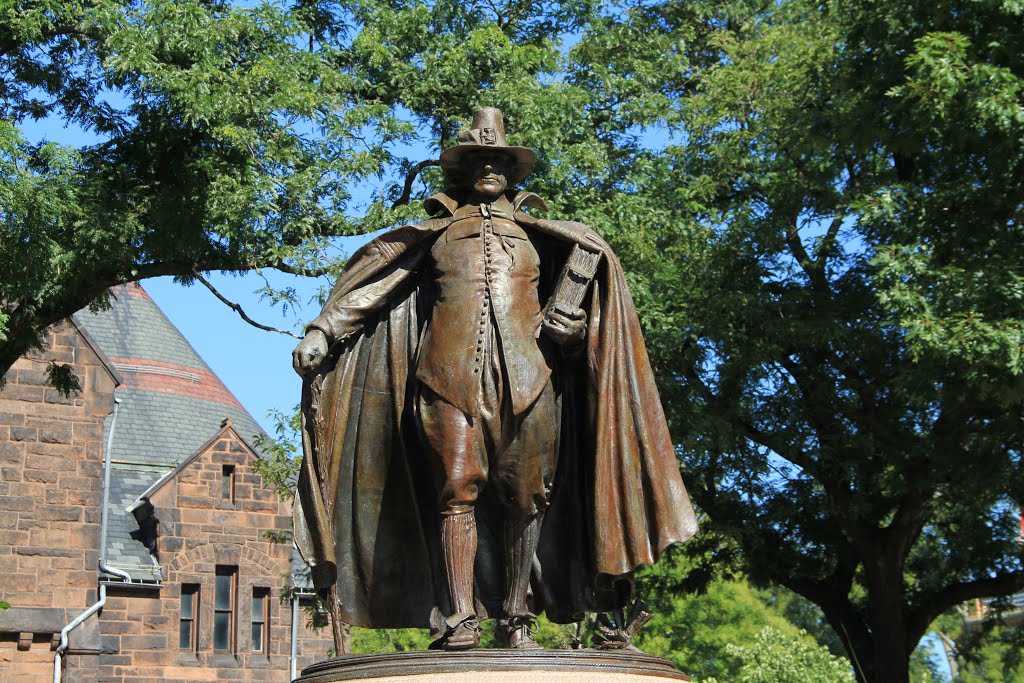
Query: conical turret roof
column 172, row 403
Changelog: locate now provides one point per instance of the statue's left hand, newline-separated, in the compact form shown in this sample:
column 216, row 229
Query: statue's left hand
column 565, row 330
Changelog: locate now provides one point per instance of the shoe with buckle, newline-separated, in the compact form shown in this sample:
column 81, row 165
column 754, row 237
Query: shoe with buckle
column 463, row 632
column 517, row 633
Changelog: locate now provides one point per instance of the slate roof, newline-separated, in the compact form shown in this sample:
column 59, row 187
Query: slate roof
column 171, row 405
column 135, row 327
column 162, row 429
column 125, row 545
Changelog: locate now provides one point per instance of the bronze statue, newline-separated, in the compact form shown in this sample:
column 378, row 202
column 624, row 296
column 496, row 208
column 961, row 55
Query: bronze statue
column 482, row 432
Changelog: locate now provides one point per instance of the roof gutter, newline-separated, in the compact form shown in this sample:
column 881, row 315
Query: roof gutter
column 98, row 605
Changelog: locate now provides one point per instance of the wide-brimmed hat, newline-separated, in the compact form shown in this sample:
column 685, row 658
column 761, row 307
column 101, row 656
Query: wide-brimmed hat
column 487, row 133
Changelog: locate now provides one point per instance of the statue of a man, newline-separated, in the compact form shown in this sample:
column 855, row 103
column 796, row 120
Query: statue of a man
column 471, row 449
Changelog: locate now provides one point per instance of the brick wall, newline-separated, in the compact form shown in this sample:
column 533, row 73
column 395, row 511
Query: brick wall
column 51, row 452
column 50, row 481
column 314, row 645
column 198, row 530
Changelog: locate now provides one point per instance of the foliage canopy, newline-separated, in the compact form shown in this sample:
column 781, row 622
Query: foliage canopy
column 818, row 204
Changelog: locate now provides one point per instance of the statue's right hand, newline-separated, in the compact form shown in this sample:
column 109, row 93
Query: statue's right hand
column 310, row 352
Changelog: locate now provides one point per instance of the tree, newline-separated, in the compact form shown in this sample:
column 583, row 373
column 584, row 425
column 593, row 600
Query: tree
column 818, row 205
column 214, row 138
column 995, row 660
column 983, row 650
column 819, row 208
column 774, row 657
column 838, row 250
column 707, row 632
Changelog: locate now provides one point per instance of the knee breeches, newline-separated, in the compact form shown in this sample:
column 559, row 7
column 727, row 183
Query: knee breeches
column 513, row 456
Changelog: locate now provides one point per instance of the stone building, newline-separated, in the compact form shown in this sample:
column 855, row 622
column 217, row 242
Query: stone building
column 193, row 585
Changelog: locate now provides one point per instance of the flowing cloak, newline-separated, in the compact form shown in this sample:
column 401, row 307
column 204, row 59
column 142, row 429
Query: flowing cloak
column 366, row 510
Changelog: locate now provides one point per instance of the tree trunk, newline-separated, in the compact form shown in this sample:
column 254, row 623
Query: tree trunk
column 887, row 604
column 883, row 659
column 856, row 639
column 949, row 647
column 877, row 642
column 891, row 663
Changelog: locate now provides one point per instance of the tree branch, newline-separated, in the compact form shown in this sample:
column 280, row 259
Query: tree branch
column 834, row 482
column 238, row 309
column 831, row 595
column 410, row 177
column 910, row 516
column 749, row 430
column 833, row 598
column 814, row 270
column 950, row 650
column 819, row 407
column 935, row 604
column 9, row 45
column 305, row 272
column 45, row 313
column 174, row 268
column 796, row 248
column 828, row 242
column 833, row 479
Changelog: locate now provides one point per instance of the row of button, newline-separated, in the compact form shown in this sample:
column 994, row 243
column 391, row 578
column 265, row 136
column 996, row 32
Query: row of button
column 487, row 232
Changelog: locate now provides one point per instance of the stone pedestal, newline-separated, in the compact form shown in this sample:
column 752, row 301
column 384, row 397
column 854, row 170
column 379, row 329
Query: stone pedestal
column 496, row 666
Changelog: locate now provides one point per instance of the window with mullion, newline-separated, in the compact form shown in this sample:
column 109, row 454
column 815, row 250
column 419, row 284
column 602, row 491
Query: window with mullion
column 260, row 618
column 224, row 609
column 189, row 616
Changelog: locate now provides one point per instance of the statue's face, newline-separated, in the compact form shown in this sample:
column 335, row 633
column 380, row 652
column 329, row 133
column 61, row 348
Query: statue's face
column 487, row 173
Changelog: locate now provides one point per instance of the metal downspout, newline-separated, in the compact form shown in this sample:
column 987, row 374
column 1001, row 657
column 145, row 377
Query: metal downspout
column 104, row 512
column 77, row 621
column 295, row 637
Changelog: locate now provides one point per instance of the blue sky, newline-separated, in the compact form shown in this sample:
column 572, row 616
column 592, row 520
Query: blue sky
column 255, row 365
